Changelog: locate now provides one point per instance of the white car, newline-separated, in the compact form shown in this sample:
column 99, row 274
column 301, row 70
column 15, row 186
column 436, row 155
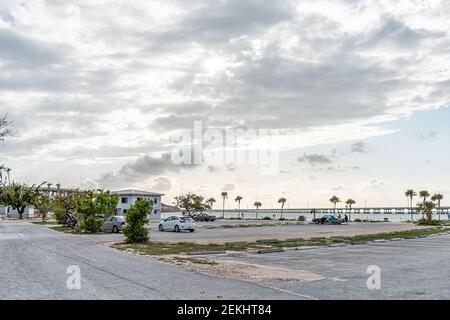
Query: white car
column 177, row 224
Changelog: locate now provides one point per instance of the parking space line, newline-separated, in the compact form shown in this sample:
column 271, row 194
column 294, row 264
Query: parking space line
column 288, row 291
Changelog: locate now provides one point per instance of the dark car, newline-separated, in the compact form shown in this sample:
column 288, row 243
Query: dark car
column 205, row 217
column 327, row 219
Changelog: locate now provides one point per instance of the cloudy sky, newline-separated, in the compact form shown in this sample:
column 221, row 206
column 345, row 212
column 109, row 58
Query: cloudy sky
column 356, row 92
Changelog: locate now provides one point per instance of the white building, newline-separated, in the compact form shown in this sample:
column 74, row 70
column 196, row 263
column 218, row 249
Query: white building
column 129, row 197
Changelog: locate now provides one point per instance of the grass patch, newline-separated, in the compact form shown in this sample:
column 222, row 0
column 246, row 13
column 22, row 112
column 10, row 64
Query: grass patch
column 163, row 248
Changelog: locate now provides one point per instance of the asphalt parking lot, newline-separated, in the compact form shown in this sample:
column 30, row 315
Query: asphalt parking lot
column 252, row 233
column 35, row 260
column 410, row 269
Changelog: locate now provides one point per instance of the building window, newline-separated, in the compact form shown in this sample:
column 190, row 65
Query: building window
column 139, row 199
column 125, row 211
column 156, row 200
column 124, row 200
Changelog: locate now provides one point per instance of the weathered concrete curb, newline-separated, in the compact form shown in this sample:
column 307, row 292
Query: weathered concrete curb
column 338, row 245
column 396, row 239
column 358, row 243
column 307, row 248
column 379, row 241
column 198, row 253
column 261, row 251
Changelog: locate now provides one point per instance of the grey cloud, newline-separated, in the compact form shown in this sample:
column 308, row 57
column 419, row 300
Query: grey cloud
column 358, row 147
column 142, row 168
column 427, row 135
column 15, row 48
column 161, row 184
column 314, row 159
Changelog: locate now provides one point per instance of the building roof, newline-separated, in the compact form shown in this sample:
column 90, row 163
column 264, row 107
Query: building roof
column 133, row 192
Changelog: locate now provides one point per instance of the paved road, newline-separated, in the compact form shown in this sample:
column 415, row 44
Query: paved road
column 221, row 235
column 410, row 269
column 34, row 260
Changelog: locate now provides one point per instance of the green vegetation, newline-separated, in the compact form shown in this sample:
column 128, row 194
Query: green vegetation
column 135, row 231
column 162, row 248
column 19, row 196
column 283, row 202
column 193, row 204
column 93, row 207
column 257, row 204
column 424, row 222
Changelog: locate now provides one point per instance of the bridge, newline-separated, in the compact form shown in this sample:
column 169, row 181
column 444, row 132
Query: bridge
column 368, row 210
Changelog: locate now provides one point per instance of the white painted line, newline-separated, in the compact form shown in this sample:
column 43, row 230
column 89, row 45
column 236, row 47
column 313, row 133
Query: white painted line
column 288, row 291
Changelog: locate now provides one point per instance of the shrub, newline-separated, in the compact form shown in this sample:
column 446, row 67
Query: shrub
column 424, row 222
column 61, row 216
column 92, row 225
column 267, row 218
column 302, row 219
column 135, row 231
column 357, row 220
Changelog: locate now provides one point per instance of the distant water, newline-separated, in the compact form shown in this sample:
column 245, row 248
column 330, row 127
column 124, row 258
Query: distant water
column 371, row 216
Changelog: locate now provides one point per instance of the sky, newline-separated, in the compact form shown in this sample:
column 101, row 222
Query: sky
column 346, row 98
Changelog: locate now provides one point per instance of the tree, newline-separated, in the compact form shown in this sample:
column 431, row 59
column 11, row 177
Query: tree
column 65, row 209
column 5, row 127
column 282, row 201
column 438, row 198
column 335, row 200
column 94, row 206
column 137, row 218
column 411, row 194
column 224, row 196
column 44, row 204
column 349, row 203
column 238, row 199
column 257, row 204
column 426, row 208
column 191, row 204
column 211, row 202
column 20, row 196
column 424, row 194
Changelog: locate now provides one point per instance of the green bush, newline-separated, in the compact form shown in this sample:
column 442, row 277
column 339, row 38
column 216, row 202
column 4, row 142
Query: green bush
column 267, row 218
column 424, row 222
column 136, row 218
column 92, row 225
column 357, row 220
column 60, row 216
column 301, row 218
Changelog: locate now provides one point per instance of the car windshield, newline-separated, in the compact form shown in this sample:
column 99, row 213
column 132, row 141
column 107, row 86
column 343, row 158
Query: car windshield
column 120, row 218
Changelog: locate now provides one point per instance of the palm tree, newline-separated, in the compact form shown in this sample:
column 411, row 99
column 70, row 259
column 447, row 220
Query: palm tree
column 424, row 194
column 238, row 200
column 257, row 204
column 437, row 198
column 282, row 201
column 411, row 194
column 224, row 196
column 427, row 207
column 349, row 203
column 335, row 200
column 210, row 203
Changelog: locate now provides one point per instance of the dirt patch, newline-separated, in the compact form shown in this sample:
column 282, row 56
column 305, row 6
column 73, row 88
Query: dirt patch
column 242, row 271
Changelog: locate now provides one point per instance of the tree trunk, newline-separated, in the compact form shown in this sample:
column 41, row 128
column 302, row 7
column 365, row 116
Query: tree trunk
column 429, row 217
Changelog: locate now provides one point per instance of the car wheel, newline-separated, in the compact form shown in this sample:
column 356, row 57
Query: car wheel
column 191, row 230
column 160, row 227
column 177, row 229
column 115, row 229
